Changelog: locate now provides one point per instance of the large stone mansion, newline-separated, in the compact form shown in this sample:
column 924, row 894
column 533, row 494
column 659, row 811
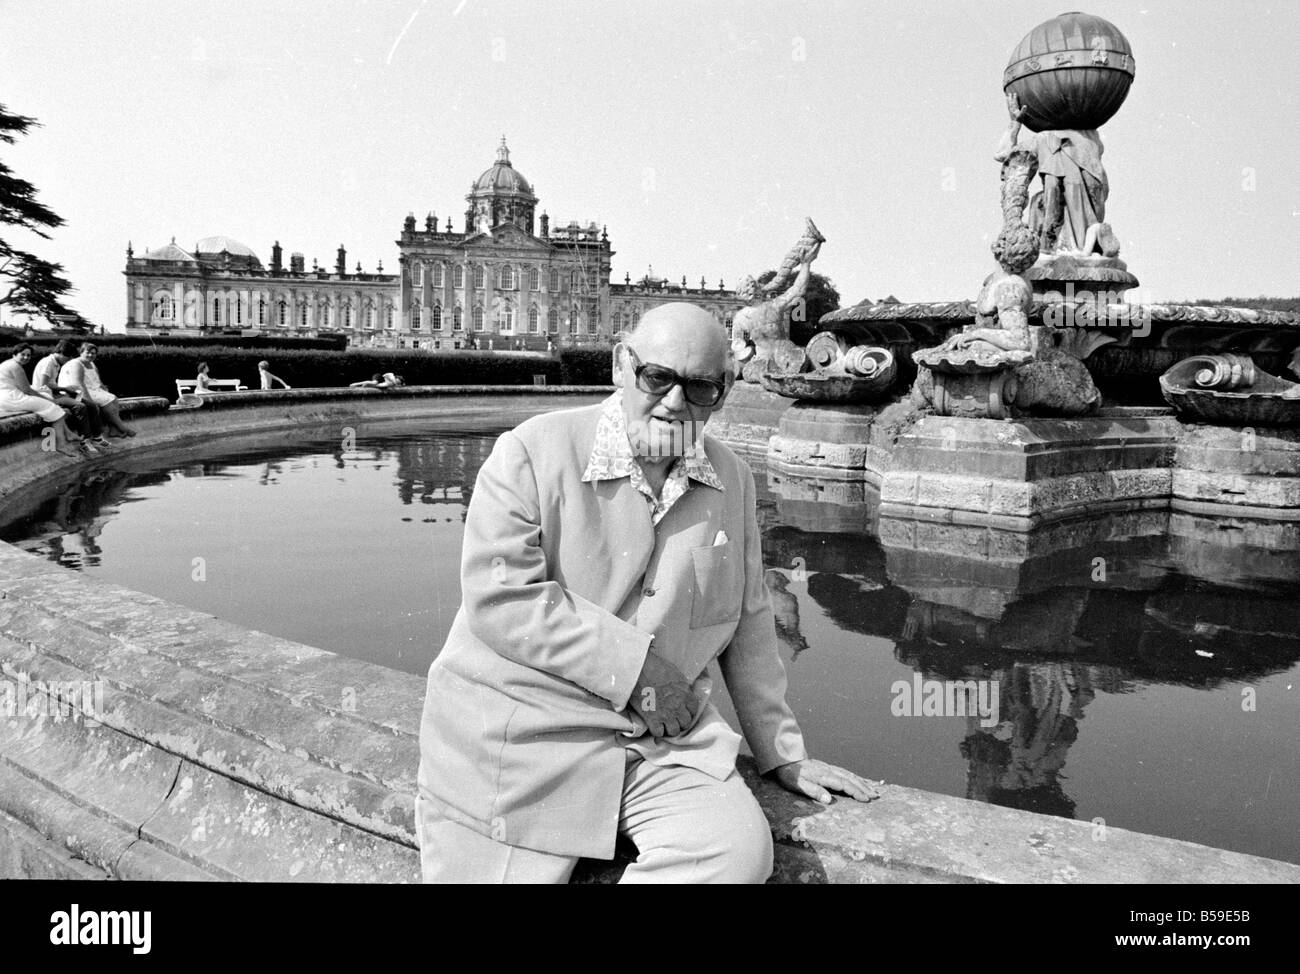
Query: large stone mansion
column 508, row 277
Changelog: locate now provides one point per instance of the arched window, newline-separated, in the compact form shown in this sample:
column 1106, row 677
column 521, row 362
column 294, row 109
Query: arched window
column 436, row 323
column 555, row 280
column 325, row 316
column 388, row 316
column 458, row 319
column 415, row 315
column 261, row 311
column 437, row 275
column 553, row 321
column 417, row 277
column 507, row 277
column 347, row 315
column 370, row 316
column 283, row 314
column 302, row 315
column 618, row 321
column 636, row 316
column 508, row 318
column 216, row 311
column 239, row 311
column 458, row 276
column 534, row 279
column 478, row 318
column 573, row 323
column 534, row 320
column 479, row 276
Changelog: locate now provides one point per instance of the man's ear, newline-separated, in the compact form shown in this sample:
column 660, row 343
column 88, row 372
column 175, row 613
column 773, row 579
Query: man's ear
column 620, row 353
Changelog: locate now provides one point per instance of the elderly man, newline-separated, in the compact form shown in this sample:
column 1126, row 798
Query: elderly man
column 611, row 553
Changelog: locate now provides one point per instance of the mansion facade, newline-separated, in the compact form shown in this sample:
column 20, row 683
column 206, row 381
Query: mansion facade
column 506, row 279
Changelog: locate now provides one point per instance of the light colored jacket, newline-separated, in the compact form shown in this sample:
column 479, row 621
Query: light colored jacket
column 525, row 723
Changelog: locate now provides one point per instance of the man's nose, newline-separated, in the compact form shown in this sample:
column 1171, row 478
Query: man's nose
column 675, row 398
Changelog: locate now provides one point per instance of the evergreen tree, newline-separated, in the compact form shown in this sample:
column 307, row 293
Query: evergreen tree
column 28, row 284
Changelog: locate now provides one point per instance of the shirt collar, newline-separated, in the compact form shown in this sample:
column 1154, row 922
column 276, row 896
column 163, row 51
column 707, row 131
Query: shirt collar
column 612, row 458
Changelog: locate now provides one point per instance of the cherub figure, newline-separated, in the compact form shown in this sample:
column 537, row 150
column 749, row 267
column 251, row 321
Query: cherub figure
column 1002, row 308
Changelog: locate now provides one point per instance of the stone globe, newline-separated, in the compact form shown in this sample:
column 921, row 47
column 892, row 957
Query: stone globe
column 1071, row 72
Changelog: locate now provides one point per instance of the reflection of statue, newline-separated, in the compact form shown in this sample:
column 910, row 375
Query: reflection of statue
column 760, row 332
column 1018, row 763
column 1070, row 214
column 785, row 608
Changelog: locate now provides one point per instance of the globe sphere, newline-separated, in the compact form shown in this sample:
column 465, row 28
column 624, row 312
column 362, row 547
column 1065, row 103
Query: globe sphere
column 1071, row 72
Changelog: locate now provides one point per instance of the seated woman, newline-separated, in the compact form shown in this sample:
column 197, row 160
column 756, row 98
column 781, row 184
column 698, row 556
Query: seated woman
column 380, row 380
column 81, row 374
column 17, row 397
column 203, row 382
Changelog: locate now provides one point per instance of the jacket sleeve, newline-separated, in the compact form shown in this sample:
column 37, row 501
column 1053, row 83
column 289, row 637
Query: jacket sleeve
column 512, row 604
column 751, row 664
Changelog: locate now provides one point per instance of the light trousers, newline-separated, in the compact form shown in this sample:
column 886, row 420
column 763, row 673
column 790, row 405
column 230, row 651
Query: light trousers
column 687, row 827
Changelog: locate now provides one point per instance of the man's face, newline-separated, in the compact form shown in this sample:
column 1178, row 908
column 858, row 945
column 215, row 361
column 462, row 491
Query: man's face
column 692, row 344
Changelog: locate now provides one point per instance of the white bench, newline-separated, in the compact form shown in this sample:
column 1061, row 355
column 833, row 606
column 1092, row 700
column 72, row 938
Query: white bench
column 188, row 385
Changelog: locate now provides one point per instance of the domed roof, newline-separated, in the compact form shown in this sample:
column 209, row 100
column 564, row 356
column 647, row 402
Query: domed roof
column 502, row 177
column 169, row 252
column 223, row 245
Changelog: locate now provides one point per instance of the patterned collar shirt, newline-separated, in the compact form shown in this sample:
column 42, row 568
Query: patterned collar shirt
column 612, row 459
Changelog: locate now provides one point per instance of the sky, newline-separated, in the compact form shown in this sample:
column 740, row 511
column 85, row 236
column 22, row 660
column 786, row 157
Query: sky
column 700, row 134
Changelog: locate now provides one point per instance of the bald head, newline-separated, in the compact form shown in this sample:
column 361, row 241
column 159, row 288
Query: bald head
column 687, row 328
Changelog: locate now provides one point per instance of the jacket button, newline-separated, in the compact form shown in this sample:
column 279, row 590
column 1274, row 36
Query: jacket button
column 647, row 592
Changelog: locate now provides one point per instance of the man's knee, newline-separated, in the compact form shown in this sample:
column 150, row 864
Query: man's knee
column 749, row 859
column 739, row 844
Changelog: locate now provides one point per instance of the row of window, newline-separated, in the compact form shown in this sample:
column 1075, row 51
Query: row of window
column 164, row 309
column 478, row 320
column 507, row 278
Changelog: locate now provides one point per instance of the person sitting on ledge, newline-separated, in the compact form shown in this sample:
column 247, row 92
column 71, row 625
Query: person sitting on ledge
column 82, row 375
column 18, row 397
column 380, row 380
column 611, row 554
column 83, row 417
column 203, row 382
column 268, row 378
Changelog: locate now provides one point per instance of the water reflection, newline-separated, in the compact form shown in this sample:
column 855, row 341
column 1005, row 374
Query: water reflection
column 1113, row 604
column 1114, row 640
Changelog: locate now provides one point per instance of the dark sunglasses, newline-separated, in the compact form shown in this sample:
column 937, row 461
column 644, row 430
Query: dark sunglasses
column 658, row 380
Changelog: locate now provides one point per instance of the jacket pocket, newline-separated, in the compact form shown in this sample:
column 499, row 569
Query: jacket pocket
column 719, row 580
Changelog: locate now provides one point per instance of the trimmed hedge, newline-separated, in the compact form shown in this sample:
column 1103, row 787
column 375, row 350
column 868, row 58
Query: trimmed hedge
column 134, row 371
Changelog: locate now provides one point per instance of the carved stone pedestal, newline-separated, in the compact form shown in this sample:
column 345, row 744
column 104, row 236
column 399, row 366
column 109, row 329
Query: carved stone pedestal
column 1019, row 473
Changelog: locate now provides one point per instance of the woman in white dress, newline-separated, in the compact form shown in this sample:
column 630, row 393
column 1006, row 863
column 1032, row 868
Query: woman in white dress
column 203, row 382
column 18, row 397
column 81, row 374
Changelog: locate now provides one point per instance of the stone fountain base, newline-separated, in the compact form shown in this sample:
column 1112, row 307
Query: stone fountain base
column 1016, row 474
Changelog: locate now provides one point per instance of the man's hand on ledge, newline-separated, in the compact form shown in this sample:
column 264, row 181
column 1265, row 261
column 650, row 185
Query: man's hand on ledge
column 663, row 698
column 811, row 778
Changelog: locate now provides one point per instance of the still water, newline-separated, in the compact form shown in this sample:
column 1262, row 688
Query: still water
column 1145, row 667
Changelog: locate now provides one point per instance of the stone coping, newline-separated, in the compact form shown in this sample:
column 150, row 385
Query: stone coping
column 217, row 752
